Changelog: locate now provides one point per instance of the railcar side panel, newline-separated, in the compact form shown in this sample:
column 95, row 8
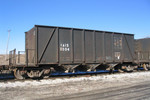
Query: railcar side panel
column 117, row 47
column 100, row 51
column 128, row 48
column 108, row 47
column 78, row 40
column 47, row 45
column 89, row 47
column 65, row 45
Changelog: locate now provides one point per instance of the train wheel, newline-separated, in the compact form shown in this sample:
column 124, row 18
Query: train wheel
column 35, row 73
column 18, row 74
column 148, row 66
column 46, row 73
column 145, row 67
column 32, row 74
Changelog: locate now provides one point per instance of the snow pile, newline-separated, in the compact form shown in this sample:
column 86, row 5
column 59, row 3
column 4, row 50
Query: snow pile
column 103, row 78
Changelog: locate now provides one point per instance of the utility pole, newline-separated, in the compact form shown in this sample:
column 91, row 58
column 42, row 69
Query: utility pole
column 7, row 44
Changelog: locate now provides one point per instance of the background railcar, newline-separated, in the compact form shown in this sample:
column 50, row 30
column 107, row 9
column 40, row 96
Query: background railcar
column 142, row 51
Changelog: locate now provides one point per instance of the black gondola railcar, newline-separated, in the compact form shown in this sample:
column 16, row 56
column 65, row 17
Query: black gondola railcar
column 67, row 49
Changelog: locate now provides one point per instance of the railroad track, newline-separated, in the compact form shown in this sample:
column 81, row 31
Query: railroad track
column 11, row 77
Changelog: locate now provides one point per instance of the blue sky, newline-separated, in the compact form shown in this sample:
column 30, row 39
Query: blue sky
column 128, row 16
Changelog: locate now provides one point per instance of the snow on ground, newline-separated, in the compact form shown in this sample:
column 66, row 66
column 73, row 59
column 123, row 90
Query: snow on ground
column 102, row 78
column 49, row 88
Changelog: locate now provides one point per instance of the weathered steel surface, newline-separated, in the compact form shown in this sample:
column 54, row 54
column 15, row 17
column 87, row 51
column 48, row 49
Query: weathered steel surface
column 30, row 37
column 142, row 49
column 59, row 45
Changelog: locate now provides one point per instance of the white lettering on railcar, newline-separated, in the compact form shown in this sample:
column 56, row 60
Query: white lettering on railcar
column 64, row 47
